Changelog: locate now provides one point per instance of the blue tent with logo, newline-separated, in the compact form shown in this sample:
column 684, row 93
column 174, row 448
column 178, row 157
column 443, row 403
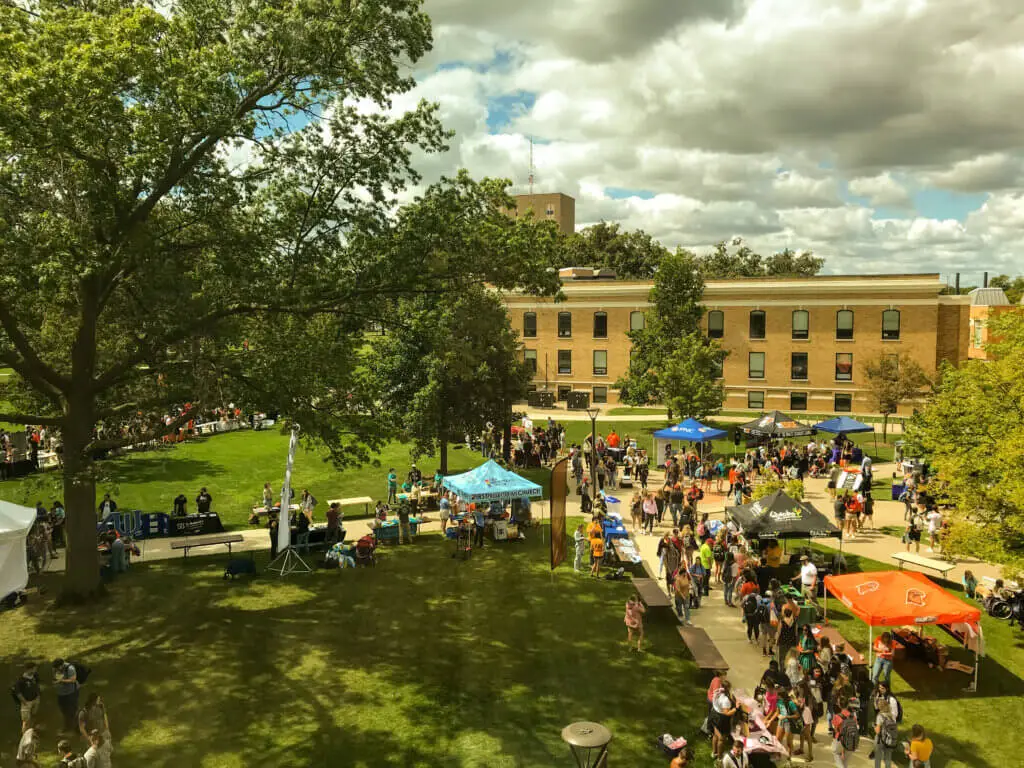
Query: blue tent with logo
column 490, row 482
column 844, row 425
column 691, row 431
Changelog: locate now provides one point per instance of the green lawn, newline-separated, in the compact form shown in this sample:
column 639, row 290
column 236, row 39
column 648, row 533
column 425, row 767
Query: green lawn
column 961, row 724
column 422, row 661
column 627, row 410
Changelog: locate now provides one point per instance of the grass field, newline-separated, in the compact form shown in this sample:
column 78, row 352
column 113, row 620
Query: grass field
column 961, row 724
column 421, row 661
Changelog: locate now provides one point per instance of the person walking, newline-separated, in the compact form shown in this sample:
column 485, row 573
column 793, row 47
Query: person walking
column 93, row 718
column 27, row 691
column 634, row 621
column 596, row 554
column 920, row 748
column 886, row 738
column 846, row 736
column 66, row 680
column 333, row 533
column 883, row 659
column 707, row 557
column 670, row 556
column 392, row 484
column 99, row 751
column 480, row 527
column 580, row 538
column 302, row 532
column 681, row 586
column 27, row 755
column 650, row 513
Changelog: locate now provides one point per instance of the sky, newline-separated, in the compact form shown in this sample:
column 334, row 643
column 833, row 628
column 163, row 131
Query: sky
column 883, row 135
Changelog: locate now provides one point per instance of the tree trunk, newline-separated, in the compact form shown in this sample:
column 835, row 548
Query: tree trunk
column 506, row 434
column 443, row 442
column 82, row 572
column 885, row 427
column 669, row 414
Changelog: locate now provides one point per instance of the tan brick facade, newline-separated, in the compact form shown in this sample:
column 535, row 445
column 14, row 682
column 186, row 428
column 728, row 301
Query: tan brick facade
column 550, row 207
column 921, row 324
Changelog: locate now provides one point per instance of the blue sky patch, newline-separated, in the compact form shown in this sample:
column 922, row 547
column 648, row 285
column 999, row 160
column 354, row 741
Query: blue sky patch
column 502, row 110
column 943, row 204
column 622, row 193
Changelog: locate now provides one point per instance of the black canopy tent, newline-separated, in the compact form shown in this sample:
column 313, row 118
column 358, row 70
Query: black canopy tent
column 776, row 425
column 778, row 516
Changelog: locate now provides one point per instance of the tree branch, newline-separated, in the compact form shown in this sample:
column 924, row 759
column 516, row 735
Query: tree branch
column 32, row 418
column 146, row 437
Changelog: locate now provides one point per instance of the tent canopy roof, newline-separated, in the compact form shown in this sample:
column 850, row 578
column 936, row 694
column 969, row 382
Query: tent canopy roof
column 15, row 521
column 490, row 482
column 690, row 430
column 895, row 598
column 778, row 516
column 775, row 424
column 843, row 425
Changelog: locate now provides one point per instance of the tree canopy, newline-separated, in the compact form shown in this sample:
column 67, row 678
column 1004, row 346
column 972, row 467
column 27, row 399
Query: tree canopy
column 972, row 433
column 736, row 259
column 173, row 184
column 1013, row 287
column 892, row 381
column 633, row 255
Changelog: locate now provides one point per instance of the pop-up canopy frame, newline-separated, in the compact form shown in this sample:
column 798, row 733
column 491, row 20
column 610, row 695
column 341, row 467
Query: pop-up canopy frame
column 490, row 482
column 897, row 598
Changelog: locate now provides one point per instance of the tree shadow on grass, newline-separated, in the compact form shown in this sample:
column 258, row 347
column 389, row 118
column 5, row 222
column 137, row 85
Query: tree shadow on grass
column 423, row 660
column 165, row 466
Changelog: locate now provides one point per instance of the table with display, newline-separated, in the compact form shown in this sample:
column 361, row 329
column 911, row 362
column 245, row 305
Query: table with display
column 254, row 518
column 428, row 499
column 761, row 745
column 834, row 638
column 147, row 525
column 388, row 529
column 808, row 613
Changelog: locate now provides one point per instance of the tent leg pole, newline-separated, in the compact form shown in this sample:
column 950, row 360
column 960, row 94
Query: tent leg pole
column 977, row 664
column 871, row 648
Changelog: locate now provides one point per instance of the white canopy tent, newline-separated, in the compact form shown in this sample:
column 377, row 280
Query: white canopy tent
column 15, row 522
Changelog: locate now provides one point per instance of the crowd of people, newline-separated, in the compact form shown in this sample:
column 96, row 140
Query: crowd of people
column 83, row 739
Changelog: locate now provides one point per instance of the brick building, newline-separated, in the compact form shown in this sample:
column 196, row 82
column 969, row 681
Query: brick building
column 551, row 207
column 794, row 344
column 985, row 304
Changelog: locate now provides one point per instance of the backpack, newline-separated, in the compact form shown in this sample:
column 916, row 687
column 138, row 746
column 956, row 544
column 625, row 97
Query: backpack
column 899, row 709
column 719, row 552
column 763, row 611
column 750, row 605
column 889, row 733
column 849, row 733
column 82, row 672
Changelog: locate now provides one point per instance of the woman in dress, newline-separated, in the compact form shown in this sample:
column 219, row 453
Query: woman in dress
column 634, row 621
column 808, row 648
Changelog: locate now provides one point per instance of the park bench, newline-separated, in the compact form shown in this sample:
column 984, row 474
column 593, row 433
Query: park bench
column 920, row 561
column 705, row 652
column 207, row 541
column 650, row 592
column 366, row 501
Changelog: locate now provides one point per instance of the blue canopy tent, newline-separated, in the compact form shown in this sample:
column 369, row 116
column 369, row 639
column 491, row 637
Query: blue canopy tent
column 490, row 482
column 844, row 425
column 691, row 431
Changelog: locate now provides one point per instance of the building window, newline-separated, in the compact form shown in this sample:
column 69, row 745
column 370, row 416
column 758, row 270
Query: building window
column 844, row 366
column 529, row 325
column 716, row 324
column 798, row 366
column 565, row 361
column 600, row 362
column 600, row 325
column 564, row 325
column 844, row 324
column 563, row 392
column 979, row 326
column 891, row 325
column 755, row 400
column 757, row 324
column 637, row 321
column 530, row 357
column 719, row 368
column 843, row 403
column 801, row 324
column 755, row 365
column 798, row 401
column 600, row 395
column 550, row 210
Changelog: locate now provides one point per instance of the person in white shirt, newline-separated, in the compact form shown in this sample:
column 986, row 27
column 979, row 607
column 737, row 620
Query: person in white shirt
column 809, row 581
column 934, row 526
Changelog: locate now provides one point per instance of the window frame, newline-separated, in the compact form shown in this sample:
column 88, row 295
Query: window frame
column 890, row 312
column 593, row 394
column 764, row 325
column 792, row 404
column 716, row 333
column 792, row 363
column 835, row 402
column 567, row 334
column 643, row 320
column 562, row 392
column 849, row 376
column 807, row 325
column 755, row 407
column 567, row 352
column 750, row 369
column 604, row 316
column 597, row 370
column 527, row 359
column 532, row 316
column 841, row 331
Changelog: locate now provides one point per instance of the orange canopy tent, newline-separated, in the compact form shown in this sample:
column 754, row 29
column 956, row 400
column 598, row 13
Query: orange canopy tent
column 898, row 598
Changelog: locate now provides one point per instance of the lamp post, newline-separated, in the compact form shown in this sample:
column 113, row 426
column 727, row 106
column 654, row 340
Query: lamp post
column 588, row 740
column 592, row 413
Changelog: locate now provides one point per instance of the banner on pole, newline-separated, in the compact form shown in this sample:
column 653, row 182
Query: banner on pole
column 559, row 489
column 284, row 531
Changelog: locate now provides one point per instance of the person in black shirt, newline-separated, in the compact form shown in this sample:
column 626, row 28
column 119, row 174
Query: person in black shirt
column 273, row 525
column 203, row 501
column 180, row 502
column 302, row 533
column 774, row 676
column 414, row 475
column 27, row 691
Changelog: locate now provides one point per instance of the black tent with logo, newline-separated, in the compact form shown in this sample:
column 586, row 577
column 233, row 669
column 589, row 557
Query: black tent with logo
column 776, row 424
column 777, row 516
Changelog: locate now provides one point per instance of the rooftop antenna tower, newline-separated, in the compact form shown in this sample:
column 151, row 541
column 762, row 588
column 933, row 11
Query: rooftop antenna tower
column 531, row 171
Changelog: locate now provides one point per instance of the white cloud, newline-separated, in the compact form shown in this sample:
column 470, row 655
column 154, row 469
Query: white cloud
column 752, row 118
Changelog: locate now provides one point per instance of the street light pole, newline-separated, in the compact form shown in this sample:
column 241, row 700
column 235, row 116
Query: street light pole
column 592, row 413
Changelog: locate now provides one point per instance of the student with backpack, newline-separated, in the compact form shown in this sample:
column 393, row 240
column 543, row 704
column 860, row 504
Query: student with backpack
column 886, row 737
column 846, row 735
column 67, row 682
column 751, row 603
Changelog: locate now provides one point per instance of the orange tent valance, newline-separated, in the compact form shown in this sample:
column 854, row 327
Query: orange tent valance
column 895, row 598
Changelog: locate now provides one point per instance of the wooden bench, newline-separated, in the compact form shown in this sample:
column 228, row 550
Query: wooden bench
column 705, row 652
column 920, row 561
column 207, row 541
column 366, row 501
column 651, row 593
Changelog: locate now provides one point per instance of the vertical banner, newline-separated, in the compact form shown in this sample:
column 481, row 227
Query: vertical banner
column 559, row 488
column 284, row 531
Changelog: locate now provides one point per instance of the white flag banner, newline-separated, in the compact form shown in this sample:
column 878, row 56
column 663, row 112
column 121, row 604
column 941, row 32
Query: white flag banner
column 284, row 531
